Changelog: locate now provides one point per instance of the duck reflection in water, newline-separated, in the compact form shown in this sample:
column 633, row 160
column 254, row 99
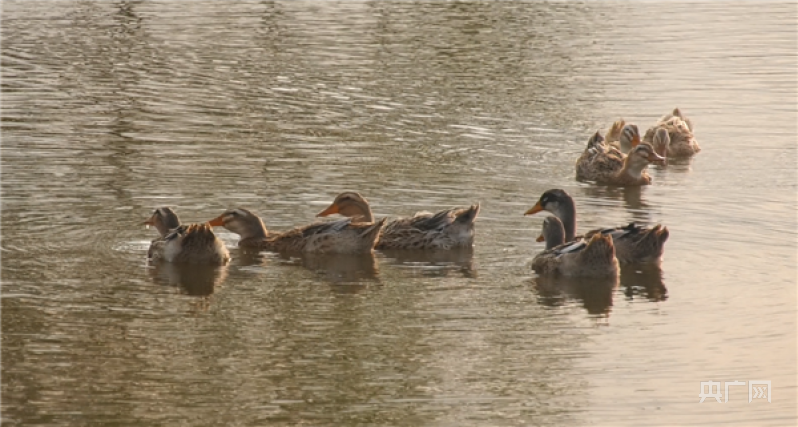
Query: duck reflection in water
column 643, row 281
column 631, row 197
column 347, row 273
column 595, row 293
column 192, row 279
column 435, row 263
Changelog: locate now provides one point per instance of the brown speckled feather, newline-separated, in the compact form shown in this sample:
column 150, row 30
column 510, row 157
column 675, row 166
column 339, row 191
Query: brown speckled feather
column 595, row 257
column 636, row 244
column 339, row 237
column 446, row 229
column 194, row 244
column 680, row 131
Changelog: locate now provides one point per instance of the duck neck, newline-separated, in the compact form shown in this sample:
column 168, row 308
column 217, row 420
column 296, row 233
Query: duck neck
column 255, row 231
column 566, row 211
column 555, row 238
column 360, row 213
column 633, row 169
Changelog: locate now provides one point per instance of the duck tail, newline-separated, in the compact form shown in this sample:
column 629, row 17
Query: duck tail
column 469, row 215
column 595, row 140
column 614, row 133
column 600, row 246
column 662, row 235
column 199, row 234
column 654, row 238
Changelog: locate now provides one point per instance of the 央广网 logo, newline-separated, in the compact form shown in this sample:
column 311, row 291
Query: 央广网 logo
column 757, row 389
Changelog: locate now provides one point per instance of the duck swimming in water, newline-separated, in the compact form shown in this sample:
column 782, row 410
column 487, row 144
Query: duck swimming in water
column 594, row 257
column 633, row 243
column 447, row 229
column 338, row 237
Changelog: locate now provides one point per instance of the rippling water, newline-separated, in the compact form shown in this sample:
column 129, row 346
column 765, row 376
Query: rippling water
column 110, row 109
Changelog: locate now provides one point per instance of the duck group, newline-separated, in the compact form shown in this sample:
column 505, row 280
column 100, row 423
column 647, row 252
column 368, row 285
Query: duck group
column 618, row 157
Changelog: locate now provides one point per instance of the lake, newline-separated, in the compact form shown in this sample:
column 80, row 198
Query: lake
column 112, row 109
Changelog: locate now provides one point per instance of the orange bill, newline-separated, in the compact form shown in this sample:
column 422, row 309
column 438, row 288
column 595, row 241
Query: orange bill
column 635, row 141
column 217, row 222
column 540, row 239
column 332, row 209
column 535, row 209
column 654, row 157
column 150, row 221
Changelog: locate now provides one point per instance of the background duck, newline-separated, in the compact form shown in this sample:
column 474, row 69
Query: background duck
column 661, row 142
column 678, row 113
column 596, row 147
column 447, row 229
column 594, row 257
column 606, row 165
column 680, row 131
column 633, row 243
column 338, row 237
column 614, row 132
column 192, row 244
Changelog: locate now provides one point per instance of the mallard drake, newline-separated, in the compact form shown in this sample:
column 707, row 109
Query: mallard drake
column 680, row 131
column 190, row 244
column 594, row 257
column 607, row 165
column 447, row 229
column 633, row 243
column 338, row 237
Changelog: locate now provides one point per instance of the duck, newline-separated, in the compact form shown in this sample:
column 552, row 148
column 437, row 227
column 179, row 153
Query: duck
column 678, row 113
column 190, row 244
column 661, row 141
column 553, row 232
column 607, row 165
column 447, row 229
column 680, row 131
column 164, row 220
column 593, row 257
column 633, row 243
column 337, row 237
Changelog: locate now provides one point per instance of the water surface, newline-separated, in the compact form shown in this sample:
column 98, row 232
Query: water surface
column 110, row 109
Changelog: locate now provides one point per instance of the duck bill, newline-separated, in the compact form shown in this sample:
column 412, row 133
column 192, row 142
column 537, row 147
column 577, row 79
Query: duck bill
column 540, row 239
column 332, row 209
column 150, row 221
column 217, row 222
column 635, row 141
column 535, row 209
column 656, row 158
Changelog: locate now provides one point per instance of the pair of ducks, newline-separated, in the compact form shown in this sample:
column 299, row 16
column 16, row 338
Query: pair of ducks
column 356, row 234
column 605, row 160
column 597, row 252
